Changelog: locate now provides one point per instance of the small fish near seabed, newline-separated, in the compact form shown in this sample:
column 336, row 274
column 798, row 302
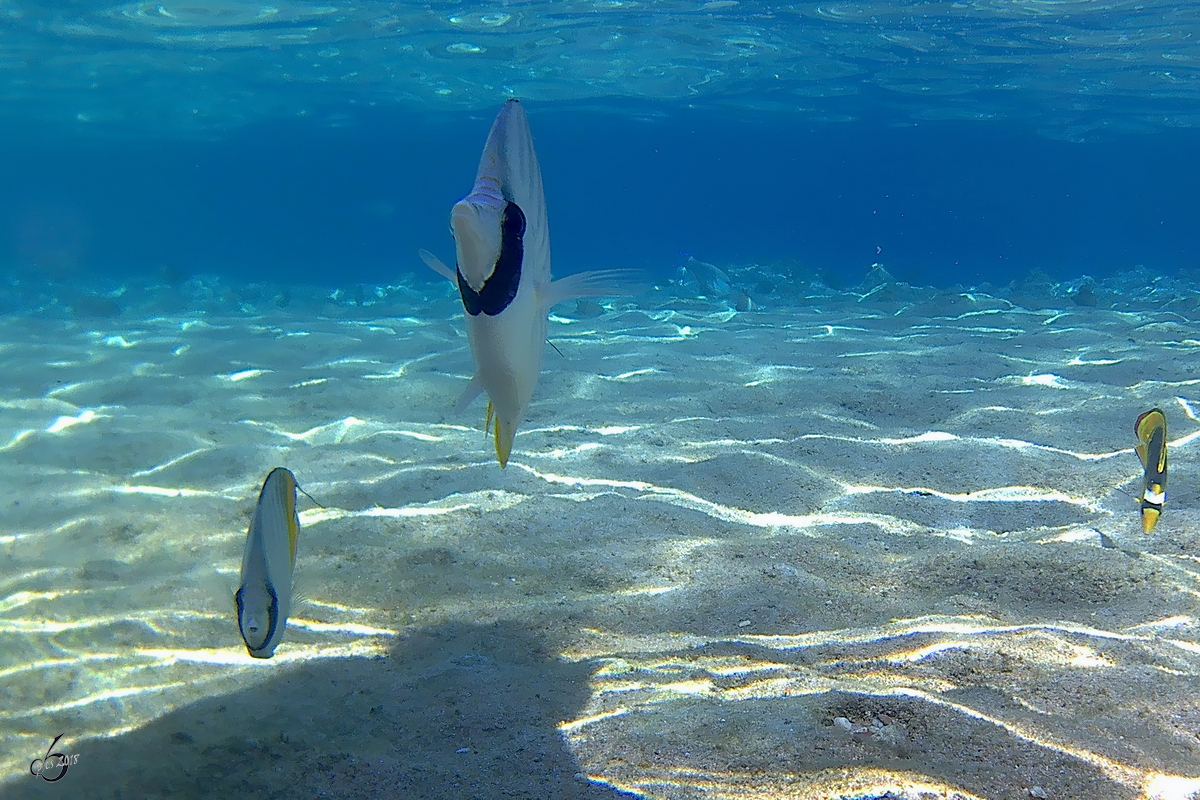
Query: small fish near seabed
column 1151, row 431
column 715, row 283
column 712, row 279
column 502, row 245
column 264, row 597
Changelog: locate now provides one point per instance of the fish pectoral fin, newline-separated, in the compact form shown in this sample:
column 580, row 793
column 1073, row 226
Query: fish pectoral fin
column 600, row 283
column 435, row 264
column 473, row 390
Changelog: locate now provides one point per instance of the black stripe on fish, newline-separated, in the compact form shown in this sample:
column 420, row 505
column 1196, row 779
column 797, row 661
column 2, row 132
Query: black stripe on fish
column 1156, row 450
column 501, row 286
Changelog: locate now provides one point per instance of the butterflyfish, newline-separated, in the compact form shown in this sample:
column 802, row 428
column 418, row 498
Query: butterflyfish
column 1151, row 430
column 264, row 597
column 502, row 247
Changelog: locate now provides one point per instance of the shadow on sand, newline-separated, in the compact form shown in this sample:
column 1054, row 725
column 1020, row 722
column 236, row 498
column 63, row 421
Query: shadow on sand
column 458, row 711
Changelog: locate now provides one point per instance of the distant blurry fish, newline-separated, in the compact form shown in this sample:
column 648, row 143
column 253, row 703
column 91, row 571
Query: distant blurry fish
column 713, row 281
column 1151, row 430
column 502, row 243
column 265, row 595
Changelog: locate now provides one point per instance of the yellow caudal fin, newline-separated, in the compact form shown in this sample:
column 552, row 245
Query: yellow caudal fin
column 504, row 441
column 503, row 435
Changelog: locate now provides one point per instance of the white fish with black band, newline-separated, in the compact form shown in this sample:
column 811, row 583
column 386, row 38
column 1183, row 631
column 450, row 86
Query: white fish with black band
column 502, row 245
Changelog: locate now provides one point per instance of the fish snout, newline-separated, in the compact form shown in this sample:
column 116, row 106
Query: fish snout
column 254, row 608
column 477, row 240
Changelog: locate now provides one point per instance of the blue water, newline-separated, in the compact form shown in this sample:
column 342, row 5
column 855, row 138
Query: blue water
column 299, row 141
column 940, row 203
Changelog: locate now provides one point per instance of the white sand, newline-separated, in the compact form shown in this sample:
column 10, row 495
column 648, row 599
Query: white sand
column 718, row 533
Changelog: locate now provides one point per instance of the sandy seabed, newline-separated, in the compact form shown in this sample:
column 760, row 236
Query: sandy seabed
column 843, row 546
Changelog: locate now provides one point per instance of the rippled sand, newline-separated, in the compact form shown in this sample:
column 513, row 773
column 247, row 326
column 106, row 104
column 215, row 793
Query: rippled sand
column 719, row 533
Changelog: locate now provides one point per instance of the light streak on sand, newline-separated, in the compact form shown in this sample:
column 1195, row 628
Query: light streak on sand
column 1188, row 409
column 770, row 519
column 310, row 382
column 62, row 423
column 163, row 491
column 1099, row 362
column 942, row 437
column 350, row 429
column 648, row 590
column 99, row 697
column 1048, row 380
column 52, row 664
column 773, row 372
column 287, row 652
column 624, row 376
column 1000, row 494
column 23, row 598
column 487, row 500
column 352, row 628
column 582, row 722
column 245, row 374
column 171, row 462
column 327, row 514
column 358, row 610
column 17, row 438
column 603, row 643
column 152, row 619
column 334, row 431
column 604, row 430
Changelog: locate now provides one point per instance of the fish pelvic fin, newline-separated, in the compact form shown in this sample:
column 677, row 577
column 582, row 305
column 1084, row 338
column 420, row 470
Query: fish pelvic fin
column 487, row 421
column 473, row 390
column 435, row 264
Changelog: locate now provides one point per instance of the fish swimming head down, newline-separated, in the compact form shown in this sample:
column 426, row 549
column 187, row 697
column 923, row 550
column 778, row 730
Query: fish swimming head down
column 264, row 597
column 502, row 248
column 502, row 270
column 1151, row 430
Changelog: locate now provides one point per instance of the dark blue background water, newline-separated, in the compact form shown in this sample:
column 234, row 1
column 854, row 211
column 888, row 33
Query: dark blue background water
column 937, row 203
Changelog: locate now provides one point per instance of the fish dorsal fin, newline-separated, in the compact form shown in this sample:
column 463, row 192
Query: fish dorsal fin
column 478, row 234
